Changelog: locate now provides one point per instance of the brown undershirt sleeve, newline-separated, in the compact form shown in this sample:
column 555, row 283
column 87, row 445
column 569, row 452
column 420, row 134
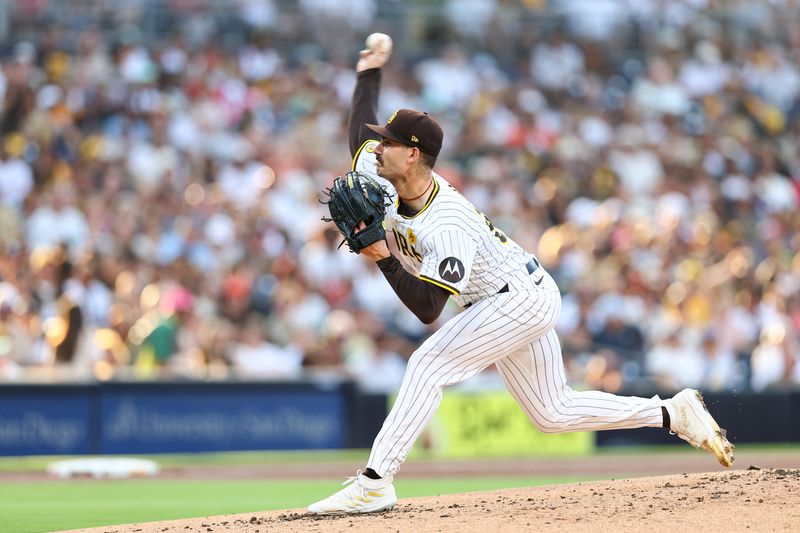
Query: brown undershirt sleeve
column 423, row 299
column 364, row 108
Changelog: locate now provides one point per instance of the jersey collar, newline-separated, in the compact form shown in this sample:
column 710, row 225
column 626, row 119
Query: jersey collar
column 427, row 204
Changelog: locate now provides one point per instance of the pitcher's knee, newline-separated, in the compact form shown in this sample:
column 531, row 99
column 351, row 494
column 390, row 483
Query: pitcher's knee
column 550, row 423
column 554, row 418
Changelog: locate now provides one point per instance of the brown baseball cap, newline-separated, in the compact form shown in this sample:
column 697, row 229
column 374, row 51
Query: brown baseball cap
column 412, row 128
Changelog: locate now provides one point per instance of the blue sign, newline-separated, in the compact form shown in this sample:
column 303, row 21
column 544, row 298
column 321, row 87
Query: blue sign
column 109, row 418
column 159, row 420
column 54, row 423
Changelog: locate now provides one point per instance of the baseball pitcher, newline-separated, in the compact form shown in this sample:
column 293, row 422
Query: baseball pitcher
column 445, row 248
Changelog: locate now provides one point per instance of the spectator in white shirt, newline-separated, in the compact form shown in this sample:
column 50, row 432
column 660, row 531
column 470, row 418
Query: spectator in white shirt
column 16, row 176
column 557, row 62
column 58, row 220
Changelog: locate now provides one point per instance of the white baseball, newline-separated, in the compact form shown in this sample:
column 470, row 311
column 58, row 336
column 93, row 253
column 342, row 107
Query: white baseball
column 379, row 42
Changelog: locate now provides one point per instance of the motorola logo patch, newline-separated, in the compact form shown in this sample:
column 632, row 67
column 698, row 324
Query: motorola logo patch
column 451, row 269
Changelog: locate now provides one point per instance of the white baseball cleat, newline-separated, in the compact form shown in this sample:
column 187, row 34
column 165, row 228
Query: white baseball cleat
column 691, row 421
column 361, row 495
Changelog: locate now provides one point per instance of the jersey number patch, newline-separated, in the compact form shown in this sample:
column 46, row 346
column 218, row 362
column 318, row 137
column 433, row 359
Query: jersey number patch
column 496, row 232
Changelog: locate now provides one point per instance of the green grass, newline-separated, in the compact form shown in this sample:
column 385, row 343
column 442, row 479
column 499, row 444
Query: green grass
column 39, row 463
column 58, row 505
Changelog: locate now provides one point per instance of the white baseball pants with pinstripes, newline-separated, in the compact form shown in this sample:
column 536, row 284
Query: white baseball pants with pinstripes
column 513, row 330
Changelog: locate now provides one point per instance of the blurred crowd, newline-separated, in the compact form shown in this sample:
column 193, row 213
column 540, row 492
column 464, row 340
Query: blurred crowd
column 160, row 177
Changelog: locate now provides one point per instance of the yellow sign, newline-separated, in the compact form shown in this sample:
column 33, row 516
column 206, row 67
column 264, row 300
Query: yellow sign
column 412, row 239
column 491, row 424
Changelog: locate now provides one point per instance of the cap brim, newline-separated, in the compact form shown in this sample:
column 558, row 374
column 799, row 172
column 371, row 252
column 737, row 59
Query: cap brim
column 383, row 132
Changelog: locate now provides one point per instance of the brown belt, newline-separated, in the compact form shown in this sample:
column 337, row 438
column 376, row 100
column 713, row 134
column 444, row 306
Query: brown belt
column 532, row 266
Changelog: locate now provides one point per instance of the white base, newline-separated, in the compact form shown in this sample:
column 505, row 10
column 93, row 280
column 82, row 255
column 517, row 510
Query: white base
column 103, row 467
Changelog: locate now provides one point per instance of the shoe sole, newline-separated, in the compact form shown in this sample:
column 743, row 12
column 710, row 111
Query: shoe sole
column 718, row 445
column 383, row 509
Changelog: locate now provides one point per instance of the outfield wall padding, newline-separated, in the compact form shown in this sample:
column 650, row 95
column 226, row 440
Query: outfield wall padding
column 117, row 418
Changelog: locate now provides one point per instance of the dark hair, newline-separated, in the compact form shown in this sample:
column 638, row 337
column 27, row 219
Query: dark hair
column 427, row 159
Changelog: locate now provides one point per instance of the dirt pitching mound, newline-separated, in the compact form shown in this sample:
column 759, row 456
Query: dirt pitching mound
column 739, row 500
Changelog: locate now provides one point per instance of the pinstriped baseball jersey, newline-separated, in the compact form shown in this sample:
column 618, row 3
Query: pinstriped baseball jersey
column 449, row 242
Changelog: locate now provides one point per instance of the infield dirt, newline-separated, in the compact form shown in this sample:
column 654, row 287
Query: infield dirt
column 736, row 500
